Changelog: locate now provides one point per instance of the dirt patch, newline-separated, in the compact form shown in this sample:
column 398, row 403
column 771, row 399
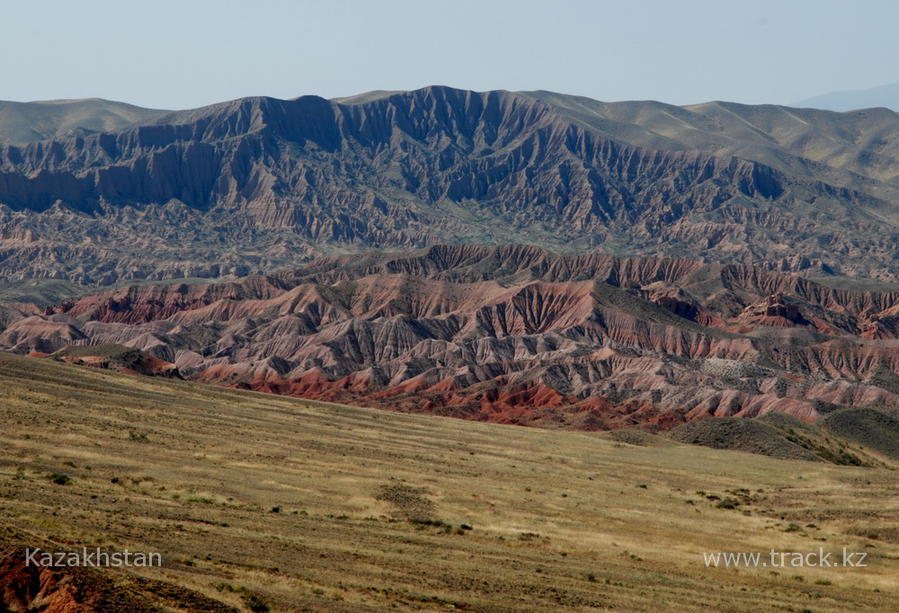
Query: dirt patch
column 408, row 502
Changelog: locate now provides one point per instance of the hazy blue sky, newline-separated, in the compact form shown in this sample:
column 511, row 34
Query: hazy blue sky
column 177, row 54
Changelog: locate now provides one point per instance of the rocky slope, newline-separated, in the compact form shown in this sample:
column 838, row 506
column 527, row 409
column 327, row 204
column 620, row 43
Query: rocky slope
column 512, row 334
column 257, row 184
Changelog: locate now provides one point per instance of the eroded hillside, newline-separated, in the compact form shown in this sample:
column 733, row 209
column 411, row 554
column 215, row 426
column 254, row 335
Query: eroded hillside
column 257, row 184
column 509, row 334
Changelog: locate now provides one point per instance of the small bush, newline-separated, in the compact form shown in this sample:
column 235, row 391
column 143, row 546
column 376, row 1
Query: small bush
column 428, row 522
column 728, row 503
column 60, row 479
column 255, row 602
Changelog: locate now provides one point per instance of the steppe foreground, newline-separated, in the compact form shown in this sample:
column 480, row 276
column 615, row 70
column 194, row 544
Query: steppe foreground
column 259, row 502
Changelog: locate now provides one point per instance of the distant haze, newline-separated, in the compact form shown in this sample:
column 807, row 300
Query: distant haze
column 886, row 96
column 175, row 54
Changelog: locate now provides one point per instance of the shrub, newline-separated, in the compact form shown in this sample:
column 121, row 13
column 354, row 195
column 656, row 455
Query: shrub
column 728, row 503
column 256, row 603
column 60, row 479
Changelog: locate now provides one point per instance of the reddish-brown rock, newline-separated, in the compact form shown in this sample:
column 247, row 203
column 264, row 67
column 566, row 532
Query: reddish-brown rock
column 510, row 334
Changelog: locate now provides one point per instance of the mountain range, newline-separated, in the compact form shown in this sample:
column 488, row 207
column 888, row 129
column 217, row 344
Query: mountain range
column 886, row 96
column 516, row 257
column 98, row 193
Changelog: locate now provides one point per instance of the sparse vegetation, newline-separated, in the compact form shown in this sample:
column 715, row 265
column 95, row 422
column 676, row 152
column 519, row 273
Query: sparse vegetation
column 409, row 503
column 139, row 437
column 60, row 479
column 372, row 517
column 728, row 503
column 255, row 602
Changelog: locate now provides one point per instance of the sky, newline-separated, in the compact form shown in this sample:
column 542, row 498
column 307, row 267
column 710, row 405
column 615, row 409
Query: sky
column 188, row 53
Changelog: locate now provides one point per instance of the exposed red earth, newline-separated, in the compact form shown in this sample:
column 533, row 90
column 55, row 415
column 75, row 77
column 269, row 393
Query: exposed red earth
column 509, row 334
column 78, row 589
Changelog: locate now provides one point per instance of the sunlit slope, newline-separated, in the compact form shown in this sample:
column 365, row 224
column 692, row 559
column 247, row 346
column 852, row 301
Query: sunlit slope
column 263, row 501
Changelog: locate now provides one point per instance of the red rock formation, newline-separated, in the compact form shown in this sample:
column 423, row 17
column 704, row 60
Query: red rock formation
column 511, row 334
column 26, row 587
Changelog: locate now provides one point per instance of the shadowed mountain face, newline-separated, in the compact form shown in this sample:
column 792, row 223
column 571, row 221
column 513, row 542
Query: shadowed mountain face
column 257, row 184
column 510, row 334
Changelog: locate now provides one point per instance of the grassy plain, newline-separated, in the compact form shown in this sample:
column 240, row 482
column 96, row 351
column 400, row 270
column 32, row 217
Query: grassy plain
column 259, row 502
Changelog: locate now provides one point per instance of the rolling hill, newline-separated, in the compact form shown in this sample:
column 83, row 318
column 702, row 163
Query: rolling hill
column 28, row 122
column 264, row 503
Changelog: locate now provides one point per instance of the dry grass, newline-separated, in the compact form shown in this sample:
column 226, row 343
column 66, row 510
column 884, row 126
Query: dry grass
column 306, row 506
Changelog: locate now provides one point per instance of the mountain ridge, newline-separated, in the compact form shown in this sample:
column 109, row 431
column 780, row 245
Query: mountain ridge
column 271, row 181
column 886, row 96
